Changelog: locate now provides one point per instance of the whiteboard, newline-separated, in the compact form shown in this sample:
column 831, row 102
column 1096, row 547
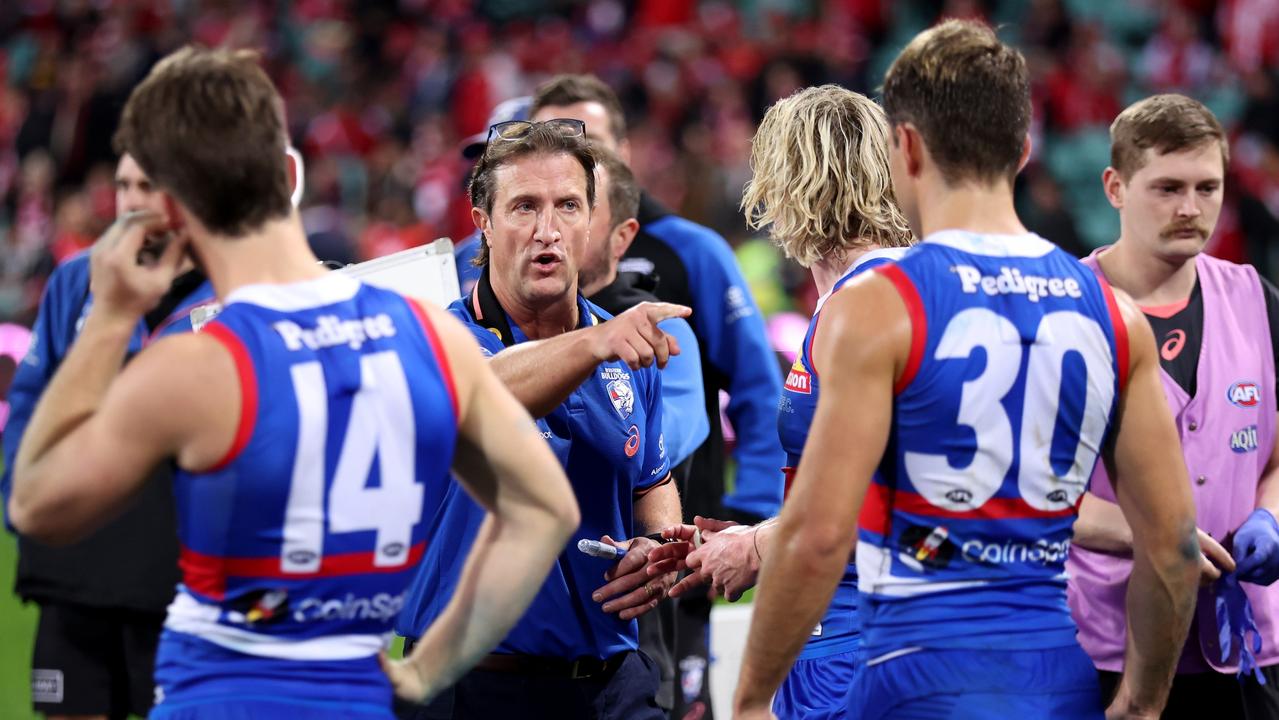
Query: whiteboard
column 426, row 271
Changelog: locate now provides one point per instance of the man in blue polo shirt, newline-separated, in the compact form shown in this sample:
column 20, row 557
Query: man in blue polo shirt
column 591, row 381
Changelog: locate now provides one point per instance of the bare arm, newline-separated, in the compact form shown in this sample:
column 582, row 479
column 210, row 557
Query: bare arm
column 503, row 463
column 657, row 508
column 867, row 336
column 631, row 589
column 1154, row 493
column 541, row 374
column 97, row 432
column 1101, row 527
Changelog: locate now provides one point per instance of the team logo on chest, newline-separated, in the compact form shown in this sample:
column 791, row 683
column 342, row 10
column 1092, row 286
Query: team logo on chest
column 620, row 392
column 1244, row 394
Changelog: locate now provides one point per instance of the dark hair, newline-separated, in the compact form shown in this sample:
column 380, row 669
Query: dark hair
column 563, row 90
column 968, row 94
column 1167, row 123
column 206, row 126
column 623, row 191
column 541, row 139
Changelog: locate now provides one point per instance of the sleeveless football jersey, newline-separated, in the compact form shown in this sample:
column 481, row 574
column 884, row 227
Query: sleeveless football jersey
column 1016, row 362
column 837, row 631
column 297, row 548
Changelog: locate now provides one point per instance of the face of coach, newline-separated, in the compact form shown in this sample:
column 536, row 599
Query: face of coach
column 534, row 210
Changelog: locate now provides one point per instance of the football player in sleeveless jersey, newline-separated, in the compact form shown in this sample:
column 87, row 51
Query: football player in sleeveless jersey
column 981, row 376
column 820, row 184
column 313, row 424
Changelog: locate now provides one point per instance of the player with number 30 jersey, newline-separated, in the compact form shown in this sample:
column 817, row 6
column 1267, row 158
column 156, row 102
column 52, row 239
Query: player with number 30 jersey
column 971, row 513
column 981, row 377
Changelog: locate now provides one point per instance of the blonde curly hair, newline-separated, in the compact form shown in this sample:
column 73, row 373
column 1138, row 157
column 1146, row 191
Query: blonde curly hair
column 820, row 180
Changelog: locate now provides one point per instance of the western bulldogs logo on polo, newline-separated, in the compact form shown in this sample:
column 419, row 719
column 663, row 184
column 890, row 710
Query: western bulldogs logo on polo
column 620, row 392
column 1244, row 394
column 1245, row 440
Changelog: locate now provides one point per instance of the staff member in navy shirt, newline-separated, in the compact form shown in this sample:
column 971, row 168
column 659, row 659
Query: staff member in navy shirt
column 593, row 382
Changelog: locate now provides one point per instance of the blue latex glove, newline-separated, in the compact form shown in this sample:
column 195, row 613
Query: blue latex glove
column 1256, row 548
column 1235, row 620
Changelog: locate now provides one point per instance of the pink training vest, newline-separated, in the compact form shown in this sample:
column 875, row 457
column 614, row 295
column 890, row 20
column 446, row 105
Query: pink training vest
column 1227, row 432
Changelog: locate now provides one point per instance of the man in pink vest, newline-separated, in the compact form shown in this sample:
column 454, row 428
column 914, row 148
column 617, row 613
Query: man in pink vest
column 1216, row 323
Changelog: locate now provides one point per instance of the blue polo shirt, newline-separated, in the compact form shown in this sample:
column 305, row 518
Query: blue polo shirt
column 607, row 436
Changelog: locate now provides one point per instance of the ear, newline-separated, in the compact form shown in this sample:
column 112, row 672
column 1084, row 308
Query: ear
column 1112, row 183
column 1026, row 147
column 481, row 220
column 911, row 143
column 172, row 208
column 623, row 235
column 624, row 151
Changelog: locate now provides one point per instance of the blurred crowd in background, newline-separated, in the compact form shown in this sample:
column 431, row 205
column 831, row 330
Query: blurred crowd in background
column 380, row 94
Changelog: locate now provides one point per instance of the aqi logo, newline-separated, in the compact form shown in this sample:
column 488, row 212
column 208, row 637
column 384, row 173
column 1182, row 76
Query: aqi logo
column 1245, row 440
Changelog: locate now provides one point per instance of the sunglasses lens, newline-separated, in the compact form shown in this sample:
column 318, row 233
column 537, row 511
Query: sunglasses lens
column 513, row 130
column 571, row 128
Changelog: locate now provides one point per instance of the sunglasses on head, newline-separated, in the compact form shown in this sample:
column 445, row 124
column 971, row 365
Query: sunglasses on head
column 518, row 129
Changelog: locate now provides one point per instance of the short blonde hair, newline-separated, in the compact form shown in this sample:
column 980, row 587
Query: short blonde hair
column 820, row 180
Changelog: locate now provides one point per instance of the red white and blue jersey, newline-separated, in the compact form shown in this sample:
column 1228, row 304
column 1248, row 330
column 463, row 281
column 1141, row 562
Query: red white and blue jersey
column 1017, row 359
column 300, row 543
column 837, row 631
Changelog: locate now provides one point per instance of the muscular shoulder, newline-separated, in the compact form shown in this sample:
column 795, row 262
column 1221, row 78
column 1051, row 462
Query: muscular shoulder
column 868, row 315
column 187, row 387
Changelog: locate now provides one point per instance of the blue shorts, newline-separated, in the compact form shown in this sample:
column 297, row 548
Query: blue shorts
column 972, row 684
column 817, row 689
column 198, row 680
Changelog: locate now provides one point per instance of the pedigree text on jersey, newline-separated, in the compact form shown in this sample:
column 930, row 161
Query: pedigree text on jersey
column 331, row 331
column 1010, row 281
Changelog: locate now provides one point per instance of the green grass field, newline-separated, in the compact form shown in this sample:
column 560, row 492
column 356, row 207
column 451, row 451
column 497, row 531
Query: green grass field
column 17, row 628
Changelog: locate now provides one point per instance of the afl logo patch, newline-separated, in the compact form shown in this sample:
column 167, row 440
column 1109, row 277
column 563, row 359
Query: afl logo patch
column 1244, row 394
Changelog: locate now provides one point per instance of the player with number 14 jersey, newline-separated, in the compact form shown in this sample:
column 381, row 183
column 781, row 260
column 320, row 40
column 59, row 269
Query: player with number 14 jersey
column 343, row 436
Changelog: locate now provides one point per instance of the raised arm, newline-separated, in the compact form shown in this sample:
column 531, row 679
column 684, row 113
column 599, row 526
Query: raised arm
column 541, row 374
column 1154, row 493
column 97, row 432
column 509, row 470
